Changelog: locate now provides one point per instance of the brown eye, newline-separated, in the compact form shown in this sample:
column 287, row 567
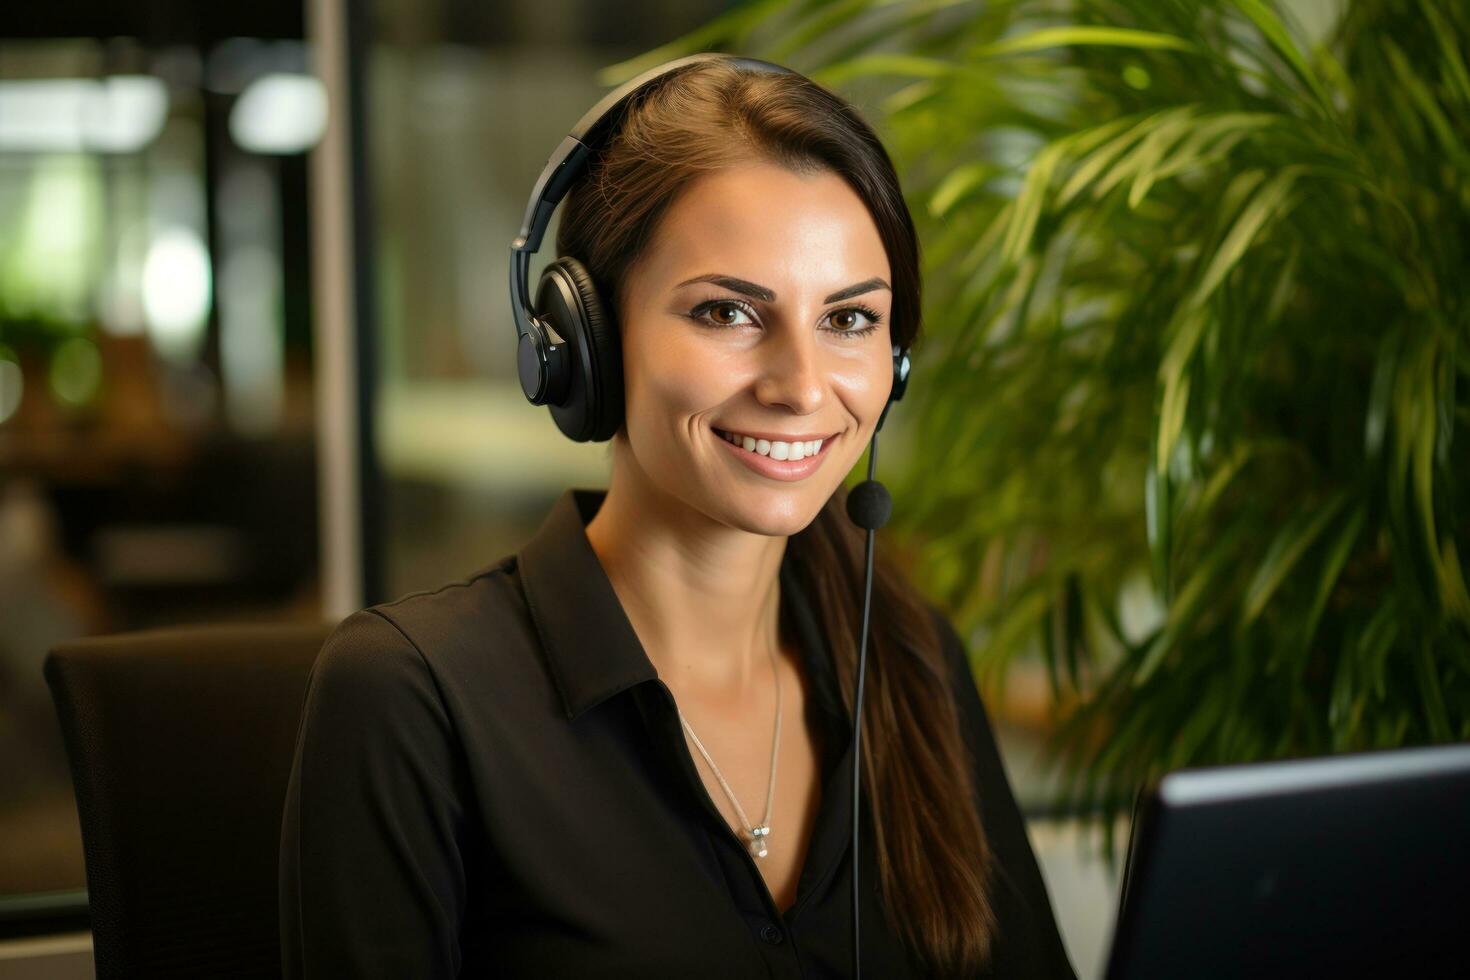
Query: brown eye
column 727, row 308
column 712, row 313
column 848, row 321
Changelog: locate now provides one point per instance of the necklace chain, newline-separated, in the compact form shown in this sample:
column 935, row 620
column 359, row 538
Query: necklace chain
column 758, row 833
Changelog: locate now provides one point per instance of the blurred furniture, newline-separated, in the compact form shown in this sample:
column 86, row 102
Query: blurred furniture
column 180, row 742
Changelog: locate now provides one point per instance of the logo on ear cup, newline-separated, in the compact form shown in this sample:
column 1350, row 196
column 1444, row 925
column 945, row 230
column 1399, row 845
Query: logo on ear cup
column 901, row 367
column 540, row 365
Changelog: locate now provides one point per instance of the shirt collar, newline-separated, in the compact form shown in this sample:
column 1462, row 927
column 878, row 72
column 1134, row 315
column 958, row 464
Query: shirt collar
column 592, row 651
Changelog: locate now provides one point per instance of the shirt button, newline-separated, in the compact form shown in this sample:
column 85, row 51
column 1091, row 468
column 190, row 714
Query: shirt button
column 771, row 934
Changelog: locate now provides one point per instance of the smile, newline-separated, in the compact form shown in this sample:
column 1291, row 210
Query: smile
column 778, row 459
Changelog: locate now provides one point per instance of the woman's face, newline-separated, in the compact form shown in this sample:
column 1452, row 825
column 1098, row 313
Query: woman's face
column 760, row 309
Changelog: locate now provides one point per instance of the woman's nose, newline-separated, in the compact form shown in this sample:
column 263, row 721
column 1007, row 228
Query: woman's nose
column 791, row 375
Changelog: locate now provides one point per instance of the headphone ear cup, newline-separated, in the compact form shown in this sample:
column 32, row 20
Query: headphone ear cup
column 568, row 298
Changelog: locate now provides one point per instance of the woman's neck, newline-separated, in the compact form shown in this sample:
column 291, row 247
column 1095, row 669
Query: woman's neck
column 703, row 597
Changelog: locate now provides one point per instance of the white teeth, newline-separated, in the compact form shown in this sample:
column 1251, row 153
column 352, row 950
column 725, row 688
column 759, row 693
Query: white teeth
column 776, row 449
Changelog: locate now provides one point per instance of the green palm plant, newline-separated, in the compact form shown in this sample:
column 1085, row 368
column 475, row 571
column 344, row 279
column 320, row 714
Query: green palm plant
column 1198, row 302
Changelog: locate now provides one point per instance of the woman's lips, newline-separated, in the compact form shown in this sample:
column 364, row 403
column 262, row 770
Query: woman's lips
column 777, row 469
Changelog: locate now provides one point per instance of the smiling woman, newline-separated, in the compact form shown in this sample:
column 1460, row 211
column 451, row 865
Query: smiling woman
column 748, row 227
column 512, row 757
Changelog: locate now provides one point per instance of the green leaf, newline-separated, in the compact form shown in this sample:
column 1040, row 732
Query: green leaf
column 1058, row 37
column 1452, row 581
column 825, row 19
column 1425, row 102
column 1203, row 720
column 1049, row 630
column 1158, row 523
column 1269, row 203
column 905, row 65
column 1380, row 395
column 1175, row 400
column 1165, row 129
column 1346, row 684
column 1286, row 549
column 1205, row 500
column 911, row 97
column 1331, row 569
column 1213, row 137
column 956, row 184
column 1074, row 627
column 1457, row 76
column 1186, row 605
column 1088, row 169
column 1416, row 419
column 1018, row 624
column 1434, row 708
column 1175, row 404
column 1423, row 462
column 1376, row 640
column 1270, row 25
column 1029, row 202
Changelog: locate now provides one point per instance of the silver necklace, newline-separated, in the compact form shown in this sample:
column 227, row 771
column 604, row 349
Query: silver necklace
column 759, row 832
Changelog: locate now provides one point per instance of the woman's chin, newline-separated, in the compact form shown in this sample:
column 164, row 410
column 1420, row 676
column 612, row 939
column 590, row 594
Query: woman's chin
column 778, row 514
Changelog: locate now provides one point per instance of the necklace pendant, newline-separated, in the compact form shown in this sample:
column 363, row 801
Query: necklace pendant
column 758, row 841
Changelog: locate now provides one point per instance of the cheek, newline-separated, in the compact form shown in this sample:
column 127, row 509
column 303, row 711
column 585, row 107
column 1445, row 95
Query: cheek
column 865, row 386
column 677, row 375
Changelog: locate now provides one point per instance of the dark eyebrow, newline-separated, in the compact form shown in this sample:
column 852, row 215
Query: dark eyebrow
column 762, row 293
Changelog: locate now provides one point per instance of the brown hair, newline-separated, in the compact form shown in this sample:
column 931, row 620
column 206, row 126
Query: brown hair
column 933, row 857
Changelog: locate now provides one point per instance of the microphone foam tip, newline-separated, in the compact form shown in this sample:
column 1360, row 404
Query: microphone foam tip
column 869, row 505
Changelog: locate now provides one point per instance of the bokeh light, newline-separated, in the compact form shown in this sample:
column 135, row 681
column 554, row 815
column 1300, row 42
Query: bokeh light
column 280, row 113
column 176, row 291
column 76, row 371
column 12, row 383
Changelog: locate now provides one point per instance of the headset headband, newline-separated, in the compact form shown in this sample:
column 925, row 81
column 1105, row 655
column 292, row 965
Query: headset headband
column 568, row 162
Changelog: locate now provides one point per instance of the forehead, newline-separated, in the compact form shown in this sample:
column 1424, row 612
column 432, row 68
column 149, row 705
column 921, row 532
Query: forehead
column 797, row 233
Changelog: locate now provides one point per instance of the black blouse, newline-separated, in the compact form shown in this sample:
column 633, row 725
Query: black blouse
column 490, row 780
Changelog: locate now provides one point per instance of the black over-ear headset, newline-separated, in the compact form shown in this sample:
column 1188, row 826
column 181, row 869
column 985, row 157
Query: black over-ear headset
column 569, row 355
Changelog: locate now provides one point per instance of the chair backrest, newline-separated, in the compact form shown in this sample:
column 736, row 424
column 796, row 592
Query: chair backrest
column 180, row 742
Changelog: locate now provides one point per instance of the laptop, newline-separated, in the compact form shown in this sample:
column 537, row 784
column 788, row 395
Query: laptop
column 1352, row 865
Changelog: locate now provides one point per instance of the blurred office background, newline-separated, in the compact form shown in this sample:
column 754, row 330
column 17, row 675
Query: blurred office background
column 187, row 434
column 157, row 461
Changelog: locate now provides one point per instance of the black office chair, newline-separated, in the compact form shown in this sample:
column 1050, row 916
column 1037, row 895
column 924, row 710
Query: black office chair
column 180, row 742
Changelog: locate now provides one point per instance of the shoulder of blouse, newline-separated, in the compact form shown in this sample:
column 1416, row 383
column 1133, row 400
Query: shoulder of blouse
column 371, row 885
column 437, row 621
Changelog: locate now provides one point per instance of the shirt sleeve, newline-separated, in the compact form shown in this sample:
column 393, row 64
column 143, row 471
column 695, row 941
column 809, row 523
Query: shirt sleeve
column 1028, row 943
column 371, row 878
